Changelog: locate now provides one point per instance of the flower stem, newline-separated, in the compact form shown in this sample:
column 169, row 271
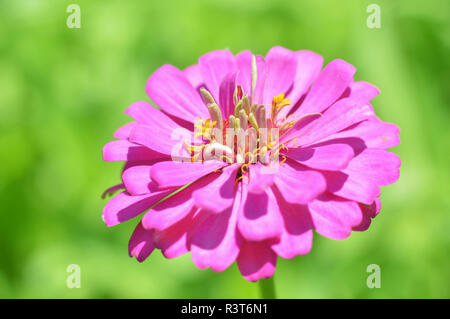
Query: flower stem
column 267, row 287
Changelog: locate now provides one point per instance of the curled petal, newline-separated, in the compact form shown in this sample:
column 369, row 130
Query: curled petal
column 141, row 243
column 256, row 260
column 334, row 217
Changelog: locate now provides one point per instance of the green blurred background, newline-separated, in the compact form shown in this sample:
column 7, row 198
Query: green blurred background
column 63, row 92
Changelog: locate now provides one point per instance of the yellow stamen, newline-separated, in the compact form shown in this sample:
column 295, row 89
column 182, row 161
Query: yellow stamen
column 278, row 103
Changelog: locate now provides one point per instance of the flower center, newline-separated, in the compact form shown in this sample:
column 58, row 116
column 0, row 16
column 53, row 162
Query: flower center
column 247, row 136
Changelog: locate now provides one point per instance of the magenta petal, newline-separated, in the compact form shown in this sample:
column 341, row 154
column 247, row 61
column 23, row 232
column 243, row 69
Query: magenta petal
column 333, row 217
column 354, row 187
column 281, row 65
column 309, row 65
column 111, row 190
column 363, row 91
column 124, row 132
column 219, row 194
column 143, row 113
column 369, row 212
column 123, row 150
column 169, row 211
column 175, row 208
column 214, row 66
column 339, row 116
column 244, row 61
column 260, row 177
column 141, row 243
column 169, row 88
column 173, row 240
column 375, row 134
column 136, row 179
column 216, row 242
column 298, row 184
column 123, row 206
column 181, row 173
column 328, row 87
column 299, row 128
column 379, row 166
column 261, row 217
column 297, row 236
column 256, row 260
column 332, row 157
column 226, row 92
column 194, row 76
column 169, row 142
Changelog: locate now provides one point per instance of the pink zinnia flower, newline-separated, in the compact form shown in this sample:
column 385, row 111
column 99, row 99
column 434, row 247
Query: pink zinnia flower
column 243, row 204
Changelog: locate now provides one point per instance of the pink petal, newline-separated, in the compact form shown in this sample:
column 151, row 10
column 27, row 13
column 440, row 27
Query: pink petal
column 244, row 61
column 298, row 184
column 260, row 178
column 143, row 113
column 261, row 217
column 169, row 211
column 173, row 241
column 181, row 173
column 256, row 260
column 123, row 150
column 218, row 195
column 111, row 190
column 124, row 132
column 369, row 212
column 216, row 242
column 281, row 65
column 297, row 236
column 141, row 243
column 339, row 116
column 164, row 141
column 123, row 206
column 328, row 87
column 194, row 76
column 226, row 91
column 333, row 217
column 136, row 178
column 214, row 66
column 355, row 187
column 169, row 88
column 380, row 166
column 302, row 125
column 309, row 65
column 363, row 91
column 175, row 208
column 332, row 157
column 375, row 134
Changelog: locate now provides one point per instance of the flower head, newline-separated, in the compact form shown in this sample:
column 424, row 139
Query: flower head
column 247, row 156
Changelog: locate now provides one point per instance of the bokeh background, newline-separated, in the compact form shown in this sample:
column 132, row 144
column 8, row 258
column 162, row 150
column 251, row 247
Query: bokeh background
column 63, row 92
